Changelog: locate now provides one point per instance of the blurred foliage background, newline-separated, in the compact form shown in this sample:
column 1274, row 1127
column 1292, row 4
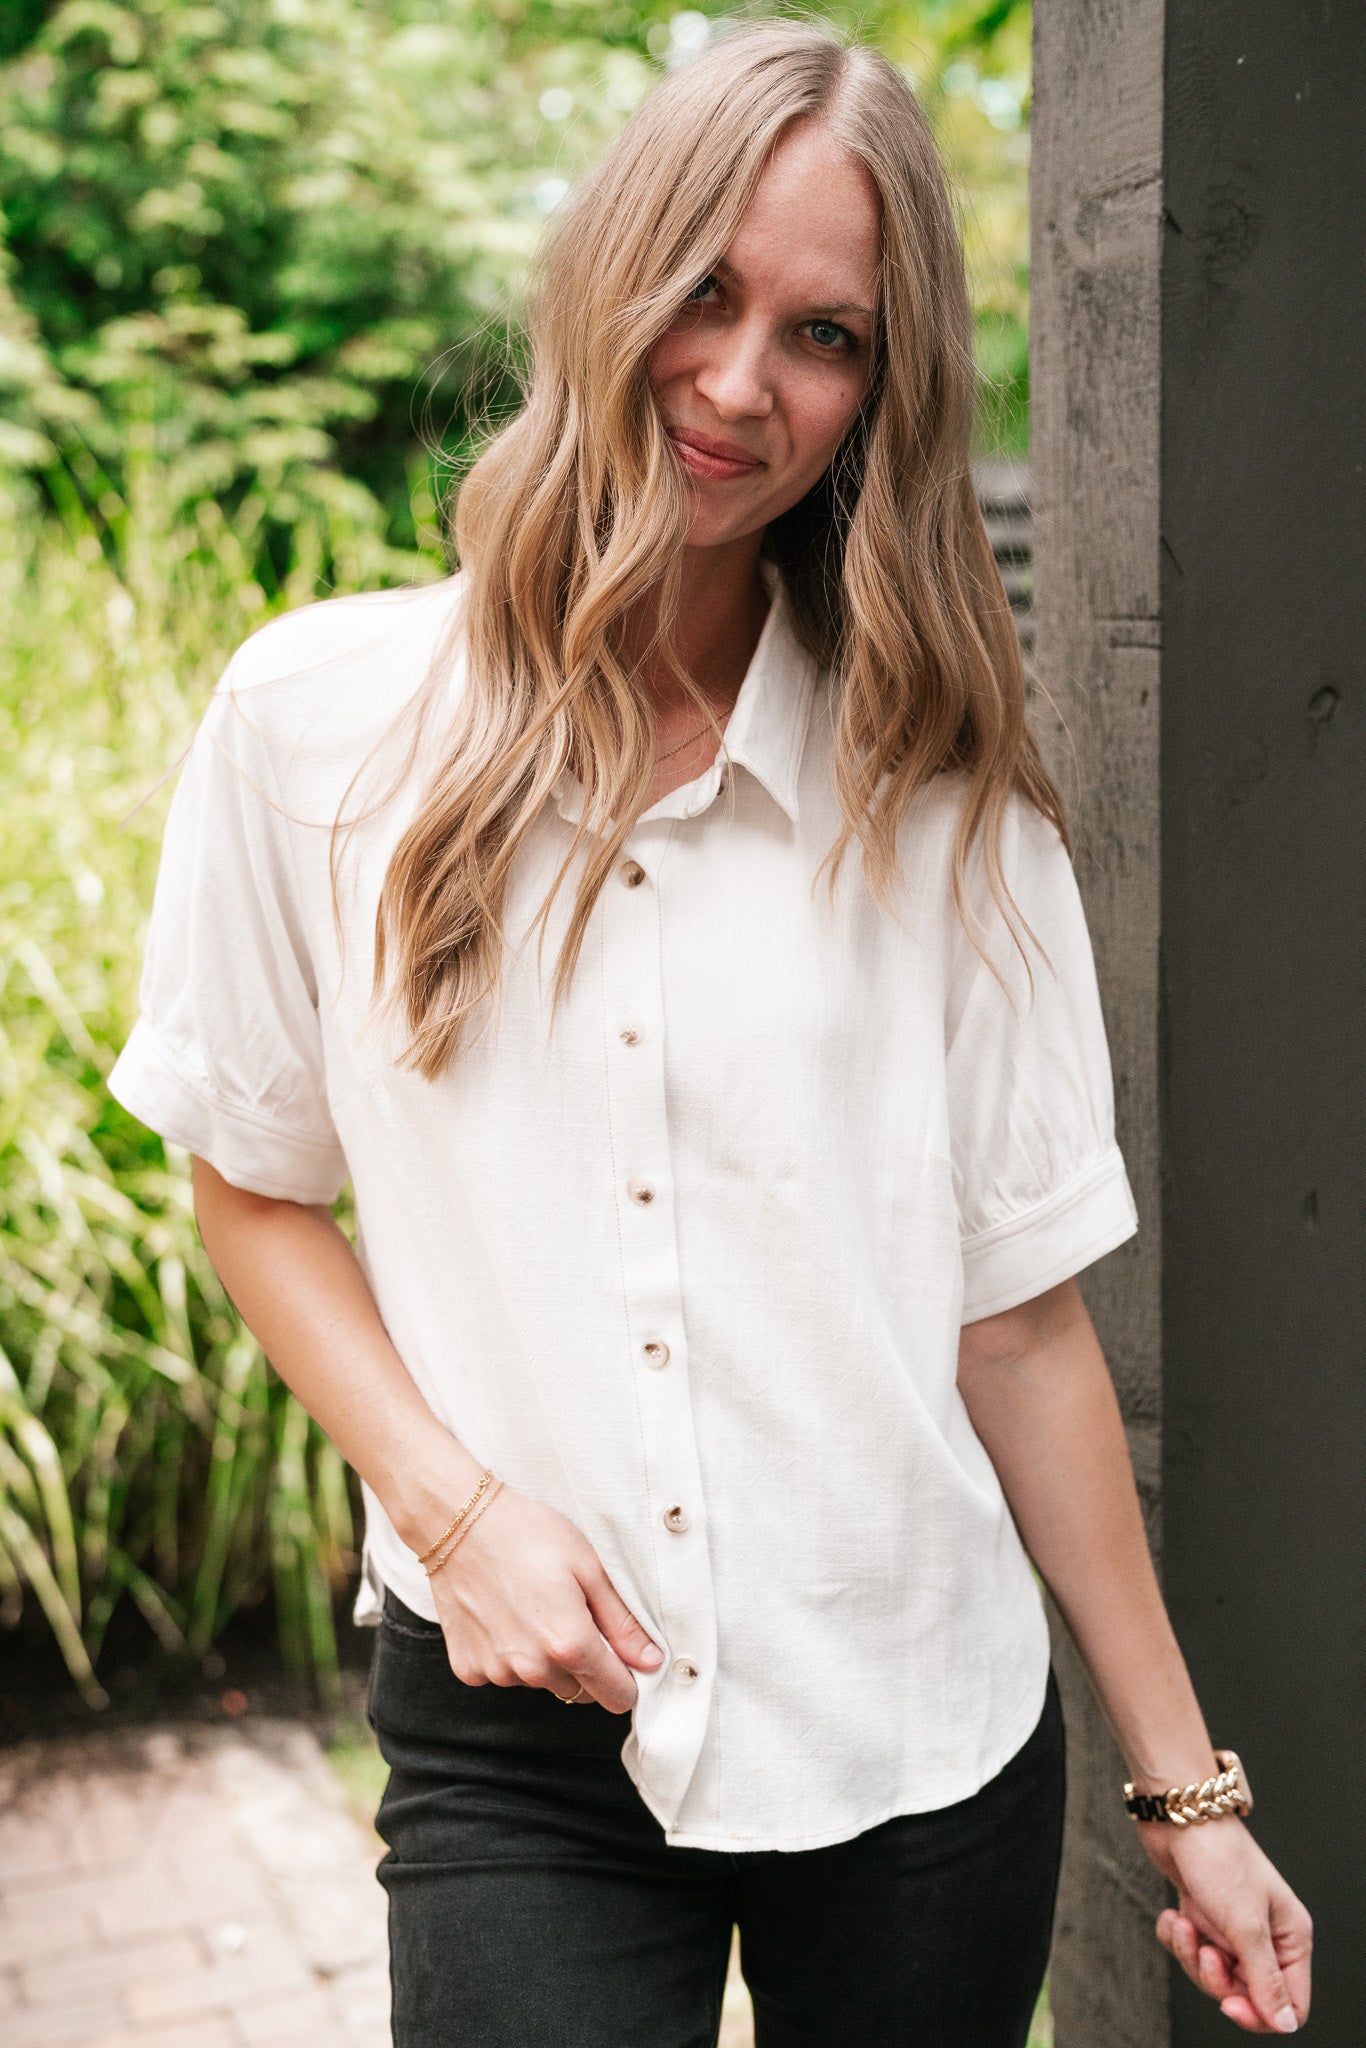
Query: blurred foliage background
column 260, row 264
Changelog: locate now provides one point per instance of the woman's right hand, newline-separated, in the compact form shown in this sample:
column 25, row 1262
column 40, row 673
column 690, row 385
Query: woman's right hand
column 525, row 1600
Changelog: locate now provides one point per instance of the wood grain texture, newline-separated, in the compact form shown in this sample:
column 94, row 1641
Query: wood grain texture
column 1263, row 932
column 1095, row 385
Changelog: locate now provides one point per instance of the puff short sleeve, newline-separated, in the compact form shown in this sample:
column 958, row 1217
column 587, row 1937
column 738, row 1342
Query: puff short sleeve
column 226, row 1055
column 1040, row 1183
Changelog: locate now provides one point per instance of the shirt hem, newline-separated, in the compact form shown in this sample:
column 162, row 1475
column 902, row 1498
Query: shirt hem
column 904, row 1803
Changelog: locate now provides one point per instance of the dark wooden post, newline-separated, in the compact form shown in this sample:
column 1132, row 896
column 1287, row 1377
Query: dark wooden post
column 1264, row 932
column 1200, row 596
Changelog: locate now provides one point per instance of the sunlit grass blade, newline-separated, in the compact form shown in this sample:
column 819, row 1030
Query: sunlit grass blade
column 40, row 1455
column 156, row 1607
column 222, row 1494
column 26, row 1554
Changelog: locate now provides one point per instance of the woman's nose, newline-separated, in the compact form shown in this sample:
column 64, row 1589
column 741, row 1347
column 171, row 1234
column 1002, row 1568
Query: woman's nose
column 733, row 377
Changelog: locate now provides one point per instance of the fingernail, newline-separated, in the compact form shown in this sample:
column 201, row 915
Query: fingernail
column 652, row 1655
column 1285, row 2021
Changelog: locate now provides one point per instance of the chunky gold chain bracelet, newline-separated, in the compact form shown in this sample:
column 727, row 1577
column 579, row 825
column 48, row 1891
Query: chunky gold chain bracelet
column 1183, row 1805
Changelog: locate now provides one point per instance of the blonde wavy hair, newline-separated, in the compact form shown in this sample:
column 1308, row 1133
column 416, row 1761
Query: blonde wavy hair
column 579, row 506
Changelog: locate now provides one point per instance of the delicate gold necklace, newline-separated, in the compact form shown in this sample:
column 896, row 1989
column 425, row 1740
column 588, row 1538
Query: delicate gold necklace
column 692, row 736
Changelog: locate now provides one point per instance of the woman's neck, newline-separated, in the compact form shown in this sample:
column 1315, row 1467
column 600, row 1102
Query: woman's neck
column 721, row 611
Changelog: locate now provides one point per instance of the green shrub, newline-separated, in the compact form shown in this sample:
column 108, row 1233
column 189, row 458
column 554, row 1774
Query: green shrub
column 257, row 225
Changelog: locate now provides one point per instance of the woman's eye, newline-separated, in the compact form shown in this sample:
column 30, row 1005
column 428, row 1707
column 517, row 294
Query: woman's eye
column 701, row 288
column 829, row 335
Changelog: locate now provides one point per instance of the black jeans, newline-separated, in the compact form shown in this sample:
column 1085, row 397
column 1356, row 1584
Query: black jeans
column 534, row 1903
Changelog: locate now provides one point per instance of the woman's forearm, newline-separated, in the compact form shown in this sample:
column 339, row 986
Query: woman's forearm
column 299, row 1288
column 1037, row 1388
column 531, row 1606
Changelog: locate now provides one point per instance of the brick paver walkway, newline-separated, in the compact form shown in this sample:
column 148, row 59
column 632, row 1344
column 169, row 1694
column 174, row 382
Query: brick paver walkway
column 203, row 1887
column 197, row 1887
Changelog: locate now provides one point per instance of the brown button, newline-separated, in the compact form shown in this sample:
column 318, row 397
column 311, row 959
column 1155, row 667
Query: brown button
column 632, row 873
column 676, row 1518
column 640, row 1191
column 656, row 1353
column 684, row 1672
column 630, row 1034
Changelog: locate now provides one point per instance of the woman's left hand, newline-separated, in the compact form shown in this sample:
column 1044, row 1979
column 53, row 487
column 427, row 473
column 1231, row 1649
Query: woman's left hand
column 1238, row 1931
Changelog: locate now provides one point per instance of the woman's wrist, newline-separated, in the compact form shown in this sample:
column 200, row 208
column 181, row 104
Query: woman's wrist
column 1187, row 1764
column 1153, row 1709
column 428, row 1480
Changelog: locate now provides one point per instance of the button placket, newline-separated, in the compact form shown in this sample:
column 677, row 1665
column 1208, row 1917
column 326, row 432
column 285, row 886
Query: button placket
column 671, row 1721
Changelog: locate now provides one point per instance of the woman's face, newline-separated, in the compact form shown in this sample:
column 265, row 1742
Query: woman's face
column 762, row 373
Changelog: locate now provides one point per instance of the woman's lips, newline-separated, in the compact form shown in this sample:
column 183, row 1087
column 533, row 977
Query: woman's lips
column 711, row 458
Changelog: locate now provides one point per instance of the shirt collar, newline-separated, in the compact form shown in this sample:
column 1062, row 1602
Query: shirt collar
column 765, row 733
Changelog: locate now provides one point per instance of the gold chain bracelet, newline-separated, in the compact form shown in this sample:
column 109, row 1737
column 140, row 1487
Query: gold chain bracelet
column 446, row 1534
column 467, row 1523
column 1226, row 1792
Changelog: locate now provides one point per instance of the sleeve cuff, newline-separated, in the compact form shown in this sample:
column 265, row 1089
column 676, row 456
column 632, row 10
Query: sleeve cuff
column 1015, row 1260
column 250, row 1151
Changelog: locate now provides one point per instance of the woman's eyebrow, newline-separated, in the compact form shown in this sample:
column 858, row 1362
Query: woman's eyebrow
column 825, row 311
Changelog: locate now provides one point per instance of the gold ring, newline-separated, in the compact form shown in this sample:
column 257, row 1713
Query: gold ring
column 572, row 1699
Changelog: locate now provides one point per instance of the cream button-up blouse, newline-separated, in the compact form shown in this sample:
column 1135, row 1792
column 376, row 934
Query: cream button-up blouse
column 691, row 1267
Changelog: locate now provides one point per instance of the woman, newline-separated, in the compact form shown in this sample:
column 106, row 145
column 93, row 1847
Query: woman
column 711, row 1351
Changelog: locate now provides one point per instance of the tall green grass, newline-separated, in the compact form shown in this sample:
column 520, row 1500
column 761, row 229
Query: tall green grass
column 149, row 1458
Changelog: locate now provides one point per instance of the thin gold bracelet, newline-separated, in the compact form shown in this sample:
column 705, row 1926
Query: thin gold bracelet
column 463, row 1531
column 432, row 1548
